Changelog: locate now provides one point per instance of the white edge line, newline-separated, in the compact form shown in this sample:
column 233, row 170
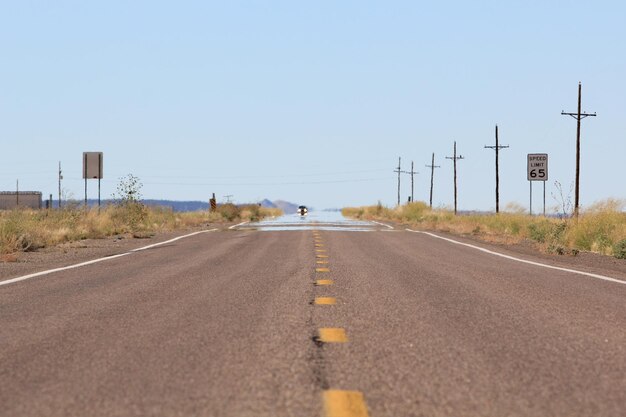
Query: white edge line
column 172, row 240
column 240, row 224
column 93, row 261
column 573, row 271
column 382, row 224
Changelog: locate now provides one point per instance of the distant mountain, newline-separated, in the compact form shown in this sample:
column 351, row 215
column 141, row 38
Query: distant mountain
column 285, row 206
column 178, row 205
column 267, row 204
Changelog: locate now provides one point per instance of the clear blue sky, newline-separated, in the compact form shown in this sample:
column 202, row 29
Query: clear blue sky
column 311, row 102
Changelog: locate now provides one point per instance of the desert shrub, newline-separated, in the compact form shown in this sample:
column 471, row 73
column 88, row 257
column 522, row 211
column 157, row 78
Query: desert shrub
column 229, row 211
column 619, row 249
column 540, row 231
column 414, row 212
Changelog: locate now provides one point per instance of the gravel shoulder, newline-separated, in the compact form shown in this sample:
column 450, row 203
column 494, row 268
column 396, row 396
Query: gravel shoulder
column 71, row 253
column 584, row 261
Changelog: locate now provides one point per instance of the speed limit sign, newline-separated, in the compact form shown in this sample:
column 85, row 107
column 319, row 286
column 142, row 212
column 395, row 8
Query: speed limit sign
column 537, row 167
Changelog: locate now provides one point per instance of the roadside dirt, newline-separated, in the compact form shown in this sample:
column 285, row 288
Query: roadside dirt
column 23, row 263
column 583, row 261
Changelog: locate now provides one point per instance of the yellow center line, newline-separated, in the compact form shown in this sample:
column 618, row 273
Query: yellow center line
column 319, row 245
column 321, row 262
column 332, row 335
column 322, row 270
column 324, row 282
column 321, row 256
column 325, row 301
column 320, row 250
column 340, row 403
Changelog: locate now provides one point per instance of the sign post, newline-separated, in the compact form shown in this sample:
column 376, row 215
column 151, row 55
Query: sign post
column 537, row 170
column 92, row 169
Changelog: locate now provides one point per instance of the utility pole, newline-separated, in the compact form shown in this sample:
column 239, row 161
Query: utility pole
column 228, row 198
column 497, row 149
column 454, row 159
column 412, row 173
column 17, row 193
column 399, row 170
column 432, row 167
column 60, row 178
column 578, row 116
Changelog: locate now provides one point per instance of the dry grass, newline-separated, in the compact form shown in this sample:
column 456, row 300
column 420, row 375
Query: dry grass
column 27, row 230
column 601, row 228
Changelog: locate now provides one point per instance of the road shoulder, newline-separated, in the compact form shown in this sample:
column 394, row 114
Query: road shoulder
column 71, row 253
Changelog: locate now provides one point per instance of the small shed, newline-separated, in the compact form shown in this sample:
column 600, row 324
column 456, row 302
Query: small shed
column 13, row 199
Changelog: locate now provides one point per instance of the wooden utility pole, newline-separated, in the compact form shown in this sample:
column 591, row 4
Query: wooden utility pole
column 60, row 178
column 497, row 149
column 412, row 183
column 412, row 173
column 399, row 171
column 432, row 167
column 454, row 159
column 578, row 116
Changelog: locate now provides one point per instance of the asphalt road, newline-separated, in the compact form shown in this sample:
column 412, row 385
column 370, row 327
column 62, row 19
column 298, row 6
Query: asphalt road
column 232, row 323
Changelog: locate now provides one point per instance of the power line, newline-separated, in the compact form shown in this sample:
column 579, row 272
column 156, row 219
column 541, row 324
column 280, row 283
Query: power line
column 266, row 176
column 253, row 184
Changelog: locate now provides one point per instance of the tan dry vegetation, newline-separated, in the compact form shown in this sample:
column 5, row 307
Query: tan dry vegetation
column 601, row 228
column 27, row 230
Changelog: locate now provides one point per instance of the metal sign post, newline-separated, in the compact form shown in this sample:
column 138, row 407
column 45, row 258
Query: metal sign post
column 92, row 169
column 537, row 170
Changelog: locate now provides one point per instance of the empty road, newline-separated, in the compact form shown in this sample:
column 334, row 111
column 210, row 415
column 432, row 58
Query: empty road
column 315, row 317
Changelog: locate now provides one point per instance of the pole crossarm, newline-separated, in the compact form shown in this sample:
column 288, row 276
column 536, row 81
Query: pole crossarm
column 576, row 115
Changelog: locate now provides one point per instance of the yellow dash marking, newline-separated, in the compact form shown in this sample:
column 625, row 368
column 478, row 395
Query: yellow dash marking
column 339, row 403
column 322, row 270
column 321, row 256
column 319, row 245
column 321, row 262
column 320, row 250
column 325, row 301
column 324, row 282
column 332, row 335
